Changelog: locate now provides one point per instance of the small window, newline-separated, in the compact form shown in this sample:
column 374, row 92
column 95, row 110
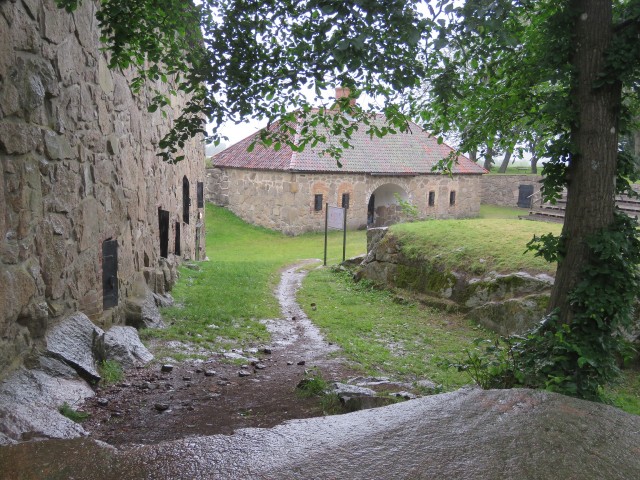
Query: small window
column 432, row 198
column 345, row 200
column 452, row 197
column 318, row 202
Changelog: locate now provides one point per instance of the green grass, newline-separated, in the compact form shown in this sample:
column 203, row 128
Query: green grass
column 495, row 211
column 383, row 337
column 220, row 305
column 73, row 414
column 476, row 245
column 626, row 393
column 110, row 372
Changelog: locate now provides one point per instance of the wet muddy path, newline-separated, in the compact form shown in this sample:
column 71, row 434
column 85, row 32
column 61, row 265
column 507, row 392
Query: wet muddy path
column 215, row 396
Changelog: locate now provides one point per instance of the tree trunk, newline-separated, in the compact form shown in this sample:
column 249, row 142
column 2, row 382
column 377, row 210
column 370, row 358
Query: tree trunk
column 534, row 163
column 473, row 155
column 505, row 161
column 592, row 166
column 488, row 159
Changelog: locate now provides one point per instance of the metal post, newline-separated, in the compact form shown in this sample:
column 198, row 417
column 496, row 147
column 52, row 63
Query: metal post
column 344, row 238
column 326, row 223
column 198, row 228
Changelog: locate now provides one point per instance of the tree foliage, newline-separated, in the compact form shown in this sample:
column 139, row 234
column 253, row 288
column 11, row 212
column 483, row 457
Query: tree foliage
column 241, row 58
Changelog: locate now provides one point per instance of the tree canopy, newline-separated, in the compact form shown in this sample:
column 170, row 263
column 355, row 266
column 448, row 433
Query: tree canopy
column 562, row 74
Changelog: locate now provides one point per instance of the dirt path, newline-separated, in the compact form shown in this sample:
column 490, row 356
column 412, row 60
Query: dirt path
column 150, row 406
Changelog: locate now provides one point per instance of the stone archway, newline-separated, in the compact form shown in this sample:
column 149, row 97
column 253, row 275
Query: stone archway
column 383, row 208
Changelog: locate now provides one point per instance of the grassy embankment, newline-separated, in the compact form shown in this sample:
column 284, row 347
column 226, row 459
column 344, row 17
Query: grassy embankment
column 409, row 340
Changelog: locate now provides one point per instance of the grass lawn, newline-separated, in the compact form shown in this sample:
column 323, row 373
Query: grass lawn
column 384, row 336
column 219, row 306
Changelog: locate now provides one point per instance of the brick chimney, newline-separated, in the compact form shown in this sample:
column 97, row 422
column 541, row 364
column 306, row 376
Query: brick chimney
column 342, row 92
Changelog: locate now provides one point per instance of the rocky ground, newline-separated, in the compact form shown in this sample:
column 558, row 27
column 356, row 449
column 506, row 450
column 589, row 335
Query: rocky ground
column 229, row 390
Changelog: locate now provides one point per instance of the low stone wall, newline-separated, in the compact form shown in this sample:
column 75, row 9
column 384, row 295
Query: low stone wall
column 503, row 189
column 284, row 201
column 505, row 304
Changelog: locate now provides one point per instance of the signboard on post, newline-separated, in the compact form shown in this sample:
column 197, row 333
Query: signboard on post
column 336, row 218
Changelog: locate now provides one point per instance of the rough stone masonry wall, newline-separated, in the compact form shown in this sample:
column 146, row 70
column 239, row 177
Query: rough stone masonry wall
column 284, row 201
column 79, row 166
column 503, row 189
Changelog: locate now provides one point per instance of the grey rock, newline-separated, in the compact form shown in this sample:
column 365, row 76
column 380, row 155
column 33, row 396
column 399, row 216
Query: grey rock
column 353, row 403
column 103, row 402
column 209, row 373
column 165, row 300
column 161, row 406
column 405, row 395
column 29, row 402
column 57, row 146
column 514, row 315
column 123, row 345
column 56, row 368
column 267, row 350
column 342, row 389
column 234, row 356
column 166, row 368
column 427, row 385
column 468, row 434
column 302, row 362
column 74, row 341
column 244, row 373
column 260, row 366
column 142, row 311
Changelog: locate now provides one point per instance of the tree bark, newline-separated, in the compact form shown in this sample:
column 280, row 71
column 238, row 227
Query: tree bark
column 534, row 164
column 592, row 166
column 505, row 161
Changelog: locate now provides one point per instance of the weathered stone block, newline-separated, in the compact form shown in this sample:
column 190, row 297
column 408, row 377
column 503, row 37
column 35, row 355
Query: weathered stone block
column 74, row 340
column 122, row 344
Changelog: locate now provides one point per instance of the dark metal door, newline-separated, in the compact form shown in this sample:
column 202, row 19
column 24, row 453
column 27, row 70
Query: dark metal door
column 109, row 273
column 524, row 196
column 163, row 219
column 177, row 243
column 200, row 193
column 186, row 200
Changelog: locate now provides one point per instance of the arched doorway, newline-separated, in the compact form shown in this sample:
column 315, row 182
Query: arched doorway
column 383, row 208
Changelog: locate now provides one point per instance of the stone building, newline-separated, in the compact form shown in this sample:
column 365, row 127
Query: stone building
column 90, row 217
column 288, row 191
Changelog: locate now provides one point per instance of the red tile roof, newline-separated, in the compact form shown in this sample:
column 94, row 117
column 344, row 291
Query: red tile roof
column 409, row 153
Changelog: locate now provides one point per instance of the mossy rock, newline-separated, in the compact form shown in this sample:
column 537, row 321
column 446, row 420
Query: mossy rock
column 511, row 316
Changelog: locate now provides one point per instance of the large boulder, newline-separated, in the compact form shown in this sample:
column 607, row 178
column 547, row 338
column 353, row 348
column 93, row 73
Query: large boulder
column 468, row 434
column 29, row 402
column 74, row 341
column 122, row 344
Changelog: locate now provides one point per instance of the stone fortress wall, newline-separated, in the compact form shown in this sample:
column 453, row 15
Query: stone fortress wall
column 80, row 177
column 284, row 201
column 503, row 189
